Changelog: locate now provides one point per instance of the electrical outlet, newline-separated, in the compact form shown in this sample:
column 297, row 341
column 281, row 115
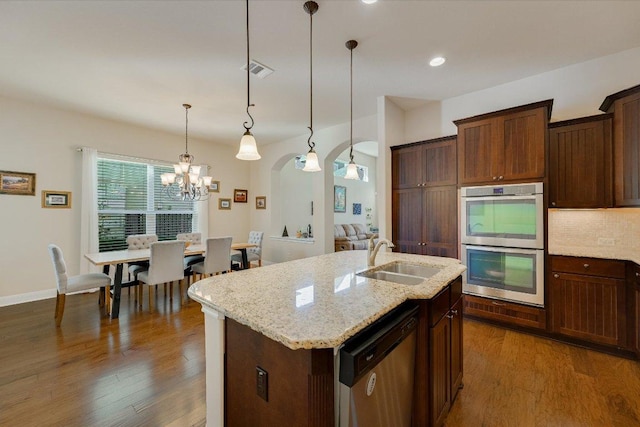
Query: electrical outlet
column 606, row 241
column 262, row 383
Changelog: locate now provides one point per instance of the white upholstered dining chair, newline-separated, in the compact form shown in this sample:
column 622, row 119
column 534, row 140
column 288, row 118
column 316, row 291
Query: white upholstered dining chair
column 165, row 266
column 195, row 239
column 253, row 254
column 217, row 257
column 139, row 241
column 67, row 284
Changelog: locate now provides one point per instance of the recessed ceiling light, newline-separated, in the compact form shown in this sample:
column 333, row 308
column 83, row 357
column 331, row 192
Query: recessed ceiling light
column 369, row 1
column 437, row 61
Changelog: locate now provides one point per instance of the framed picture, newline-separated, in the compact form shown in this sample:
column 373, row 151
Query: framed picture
column 339, row 198
column 56, row 199
column 261, row 202
column 22, row 183
column 224, row 204
column 357, row 208
column 240, row 196
column 214, row 187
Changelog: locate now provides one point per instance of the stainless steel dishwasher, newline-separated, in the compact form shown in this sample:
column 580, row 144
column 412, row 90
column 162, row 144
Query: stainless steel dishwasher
column 377, row 370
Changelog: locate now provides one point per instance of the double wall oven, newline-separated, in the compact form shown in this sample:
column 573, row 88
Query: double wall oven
column 502, row 235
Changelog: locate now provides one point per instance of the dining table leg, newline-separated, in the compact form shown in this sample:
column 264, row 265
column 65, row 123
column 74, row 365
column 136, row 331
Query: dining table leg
column 245, row 261
column 117, row 287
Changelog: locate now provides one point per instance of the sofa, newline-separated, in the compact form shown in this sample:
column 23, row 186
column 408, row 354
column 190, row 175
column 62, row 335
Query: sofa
column 351, row 237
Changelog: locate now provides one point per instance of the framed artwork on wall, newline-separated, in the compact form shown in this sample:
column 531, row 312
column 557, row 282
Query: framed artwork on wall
column 339, row 198
column 240, row 196
column 261, row 202
column 214, row 187
column 224, row 204
column 21, row 183
column 56, row 199
column 357, row 208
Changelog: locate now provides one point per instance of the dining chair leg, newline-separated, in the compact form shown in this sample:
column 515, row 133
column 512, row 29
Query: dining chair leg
column 55, row 314
column 151, row 298
column 60, row 299
column 107, row 299
column 181, row 289
column 170, row 291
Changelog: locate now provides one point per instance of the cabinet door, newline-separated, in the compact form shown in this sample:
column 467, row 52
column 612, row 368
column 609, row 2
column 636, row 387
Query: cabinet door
column 477, row 152
column 580, row 158
column 407, row 221
column 441, row 163
column 626, row 127
column 523, row 134
column 440, row 369
column 589, row 308
column 456, row 348
column 441, row 221
column 634, row 312
column 407, row 167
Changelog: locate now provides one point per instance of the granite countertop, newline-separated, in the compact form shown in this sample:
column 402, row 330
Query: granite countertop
column 317, row 302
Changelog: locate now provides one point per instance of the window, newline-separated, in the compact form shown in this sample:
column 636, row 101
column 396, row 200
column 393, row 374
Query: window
column 132, row 200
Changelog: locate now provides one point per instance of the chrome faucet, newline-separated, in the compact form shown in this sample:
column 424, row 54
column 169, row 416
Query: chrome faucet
column 373, row 251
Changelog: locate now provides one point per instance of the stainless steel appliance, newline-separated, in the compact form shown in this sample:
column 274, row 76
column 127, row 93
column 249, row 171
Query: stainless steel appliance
column 504, row 273
column 377, row 370
column 502, row 231
column 505, row 215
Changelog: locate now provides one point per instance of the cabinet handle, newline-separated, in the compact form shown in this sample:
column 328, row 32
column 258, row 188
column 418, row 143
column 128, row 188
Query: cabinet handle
column 553, row 203
column 586, row 266
column 495, row 178
column 454, row 312
column 500, row 178
column 556, row 275
column 499, row 304
column 450, row 316
column 637, row 274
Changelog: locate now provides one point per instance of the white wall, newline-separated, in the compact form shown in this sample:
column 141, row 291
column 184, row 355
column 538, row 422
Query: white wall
column 44, row 140
column 423, row 123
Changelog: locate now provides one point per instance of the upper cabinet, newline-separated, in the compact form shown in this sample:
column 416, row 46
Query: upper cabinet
column 503, row 146
column 425, row 164
column 580, row 163
column 625, row 106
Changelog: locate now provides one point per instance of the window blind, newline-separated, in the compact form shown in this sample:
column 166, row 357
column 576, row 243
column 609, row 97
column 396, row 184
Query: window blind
column 132, row 200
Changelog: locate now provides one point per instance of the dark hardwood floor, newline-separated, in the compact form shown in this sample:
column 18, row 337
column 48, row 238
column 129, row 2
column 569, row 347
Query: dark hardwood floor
column 148, row 370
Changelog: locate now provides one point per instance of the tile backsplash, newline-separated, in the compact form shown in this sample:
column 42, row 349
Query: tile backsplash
column 602, row 233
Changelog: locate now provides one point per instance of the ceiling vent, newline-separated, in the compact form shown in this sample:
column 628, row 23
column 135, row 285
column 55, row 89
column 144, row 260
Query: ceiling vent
column 257, row 69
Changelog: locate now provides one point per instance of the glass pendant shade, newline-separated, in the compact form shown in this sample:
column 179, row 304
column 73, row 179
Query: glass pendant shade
column 312, row 164
column 352, row 171
column 248, row 148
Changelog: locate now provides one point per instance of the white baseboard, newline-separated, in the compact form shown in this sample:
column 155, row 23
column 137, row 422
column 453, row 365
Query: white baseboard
column 28, row 297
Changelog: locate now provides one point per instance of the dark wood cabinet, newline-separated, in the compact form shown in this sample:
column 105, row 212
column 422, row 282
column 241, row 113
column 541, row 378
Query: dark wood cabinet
column 588, row 299
column 634, row 308
column 625, row 106
column 429, row 163
column 580, row 163
column 456, row 347
column 506, row 145
column 425, row 200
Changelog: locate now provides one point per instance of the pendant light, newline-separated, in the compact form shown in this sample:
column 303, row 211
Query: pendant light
column 248, row 149
column 352, row 169
column 312, row 164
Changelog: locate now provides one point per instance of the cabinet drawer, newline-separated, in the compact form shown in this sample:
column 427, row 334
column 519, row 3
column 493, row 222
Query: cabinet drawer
column 505, row 312
column 439, row 306
column 588, row 266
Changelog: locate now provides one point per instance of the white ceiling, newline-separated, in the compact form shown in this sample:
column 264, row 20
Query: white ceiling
column 140, row 61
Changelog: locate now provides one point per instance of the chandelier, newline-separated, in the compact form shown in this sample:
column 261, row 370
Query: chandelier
column 352, row 169
column 186, row 183
column 312, row 164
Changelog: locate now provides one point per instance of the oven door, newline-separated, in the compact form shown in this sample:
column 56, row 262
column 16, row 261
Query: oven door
column 504, row 273
column 510, row 221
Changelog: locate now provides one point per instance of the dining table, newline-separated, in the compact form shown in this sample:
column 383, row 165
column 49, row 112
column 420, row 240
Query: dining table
column 117, row 259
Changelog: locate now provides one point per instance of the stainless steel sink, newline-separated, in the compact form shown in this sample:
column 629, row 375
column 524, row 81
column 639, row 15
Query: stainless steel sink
column 392, row 277
column 403, row 273
column 411, row 269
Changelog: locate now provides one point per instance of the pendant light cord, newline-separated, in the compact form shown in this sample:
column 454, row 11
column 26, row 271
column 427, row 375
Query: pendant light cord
column 186, row 128
column 351, row 107
column 249, row 104
column 309, row 142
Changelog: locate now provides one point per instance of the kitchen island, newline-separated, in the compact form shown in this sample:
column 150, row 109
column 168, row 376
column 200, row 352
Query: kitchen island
column 289, row 320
